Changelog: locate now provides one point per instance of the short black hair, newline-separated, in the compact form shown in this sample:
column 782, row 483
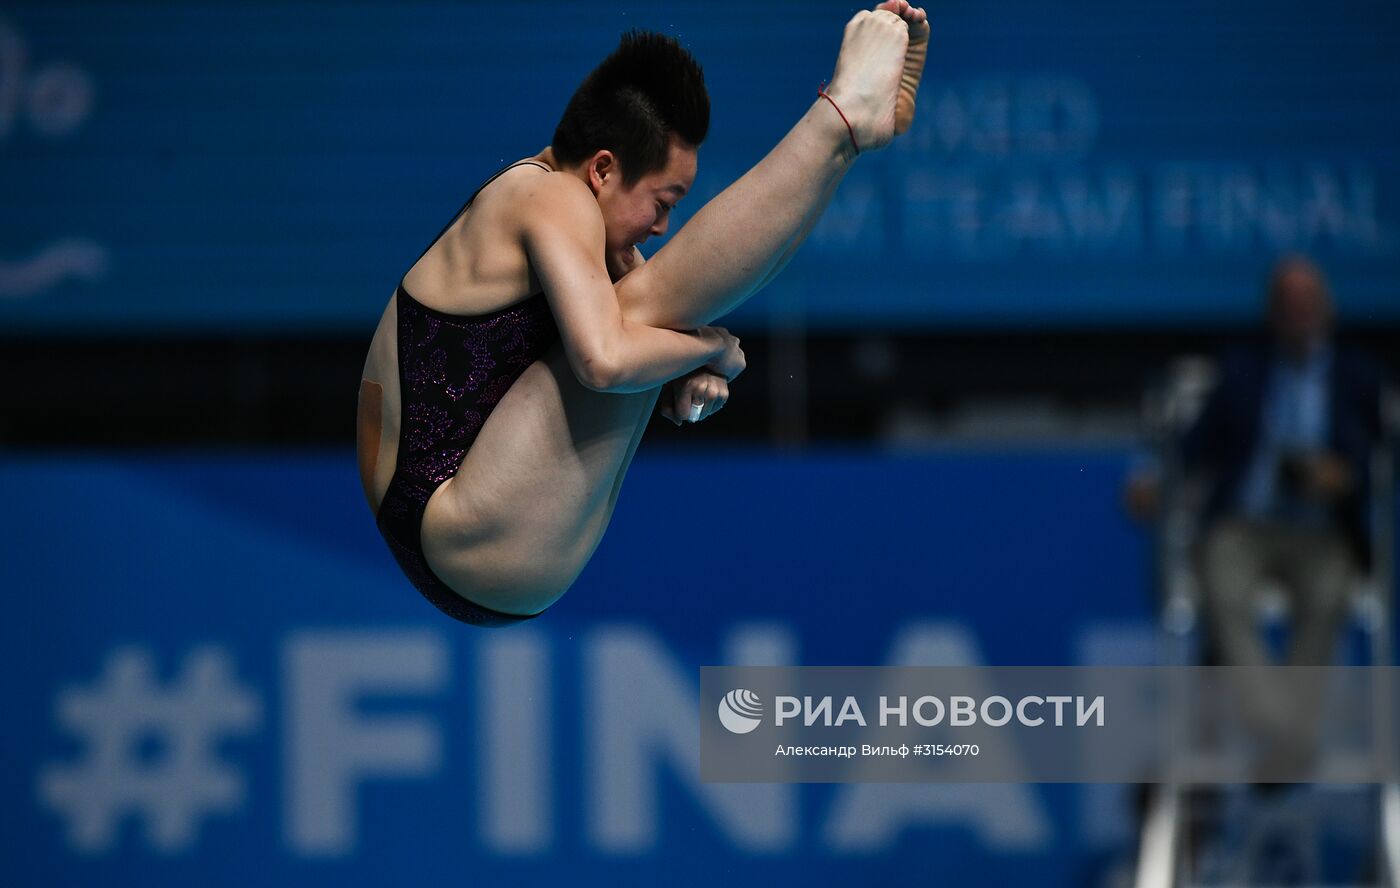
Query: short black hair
column 645, row 91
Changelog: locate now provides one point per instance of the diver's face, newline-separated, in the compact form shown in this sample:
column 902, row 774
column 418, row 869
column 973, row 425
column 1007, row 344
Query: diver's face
column 633, row 212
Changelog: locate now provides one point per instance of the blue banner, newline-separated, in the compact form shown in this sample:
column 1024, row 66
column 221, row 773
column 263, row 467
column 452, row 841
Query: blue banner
column 216, row 673
column 265, row 167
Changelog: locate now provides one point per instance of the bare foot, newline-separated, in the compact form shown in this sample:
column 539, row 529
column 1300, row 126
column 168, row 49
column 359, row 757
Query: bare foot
column 869, row 68
column 914, row 57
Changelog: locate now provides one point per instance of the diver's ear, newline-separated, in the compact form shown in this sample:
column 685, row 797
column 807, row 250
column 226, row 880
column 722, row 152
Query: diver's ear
column 602, row 170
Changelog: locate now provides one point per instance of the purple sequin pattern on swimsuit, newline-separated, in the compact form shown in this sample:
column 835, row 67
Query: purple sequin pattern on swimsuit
column 453, row 371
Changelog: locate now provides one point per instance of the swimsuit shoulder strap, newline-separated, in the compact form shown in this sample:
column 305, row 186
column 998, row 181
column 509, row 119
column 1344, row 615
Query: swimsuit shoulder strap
column 479, row 189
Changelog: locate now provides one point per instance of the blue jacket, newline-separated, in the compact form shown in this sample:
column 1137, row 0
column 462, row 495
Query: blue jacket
column 1225, row 437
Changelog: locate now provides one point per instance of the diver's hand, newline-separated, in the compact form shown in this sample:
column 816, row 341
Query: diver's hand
column 694, row 397
column 730, row 362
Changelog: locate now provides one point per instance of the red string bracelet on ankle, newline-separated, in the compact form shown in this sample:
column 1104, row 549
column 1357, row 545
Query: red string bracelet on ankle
column 821, row 91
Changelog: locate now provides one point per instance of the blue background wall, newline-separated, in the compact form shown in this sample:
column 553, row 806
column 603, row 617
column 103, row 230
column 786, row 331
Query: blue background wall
column 226, row 166
column 268, row 572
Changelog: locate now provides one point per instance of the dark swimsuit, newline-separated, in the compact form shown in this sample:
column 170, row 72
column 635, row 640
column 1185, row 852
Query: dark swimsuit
column 453, row 371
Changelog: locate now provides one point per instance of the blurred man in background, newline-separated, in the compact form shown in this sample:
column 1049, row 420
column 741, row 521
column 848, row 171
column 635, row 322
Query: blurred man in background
column 1285, row 437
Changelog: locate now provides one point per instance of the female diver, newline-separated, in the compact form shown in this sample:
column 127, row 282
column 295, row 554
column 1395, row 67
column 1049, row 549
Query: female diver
column 513, row 371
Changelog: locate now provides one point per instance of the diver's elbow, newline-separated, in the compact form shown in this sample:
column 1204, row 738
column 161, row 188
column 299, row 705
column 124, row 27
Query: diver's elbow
column 599, row 371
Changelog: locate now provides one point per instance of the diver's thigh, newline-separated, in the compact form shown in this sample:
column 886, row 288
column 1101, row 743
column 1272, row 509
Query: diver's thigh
column 533, row 494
